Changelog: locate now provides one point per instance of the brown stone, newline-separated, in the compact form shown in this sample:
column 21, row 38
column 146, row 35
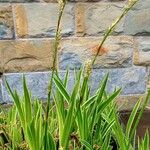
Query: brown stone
column 21, row 20
column 136, row 52
column 143, row 125
column 126, row 103
column 1, row 61
column 27, row 55
column 80, row 21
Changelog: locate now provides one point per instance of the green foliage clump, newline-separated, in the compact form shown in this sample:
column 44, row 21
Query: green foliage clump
column 76, row 120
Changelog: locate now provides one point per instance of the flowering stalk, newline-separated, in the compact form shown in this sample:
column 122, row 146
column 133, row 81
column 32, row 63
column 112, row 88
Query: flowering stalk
column 55, row 52
column 112, row 27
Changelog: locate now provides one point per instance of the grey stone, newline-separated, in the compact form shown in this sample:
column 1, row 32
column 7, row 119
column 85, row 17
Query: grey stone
column 1, row 1
column 117, row 52
column 144, row 44
column 6, row 22
column 19, row 1
column 142, row 51
column 100, row 16
column 142, row 4
column 4, row 31
column 37, row 83
column 137, row 21
column 69, row 59
column 148, row 83
column 43, row 22
column 131, row 80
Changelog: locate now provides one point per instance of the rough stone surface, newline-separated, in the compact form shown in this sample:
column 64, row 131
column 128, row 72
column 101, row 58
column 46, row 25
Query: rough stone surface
column 37, row 83
column 143, row 125
column 132, row 81
column 39, row 20
column 142, row 51
column 99, row 16
column 79, row 19
column 148, row 83
column 27, row 1
column 1, row 61
column 51, row 1
column 137, row 21
column 6, row 22
column 26, row 55
column 20, row 1
column 116, row 52
column 126, row 103
column 142, row 4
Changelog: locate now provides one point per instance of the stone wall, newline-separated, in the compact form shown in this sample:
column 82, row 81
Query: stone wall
column 27, row 29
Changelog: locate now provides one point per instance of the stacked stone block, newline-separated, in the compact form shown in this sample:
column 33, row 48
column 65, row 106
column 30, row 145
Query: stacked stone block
column 27, row 29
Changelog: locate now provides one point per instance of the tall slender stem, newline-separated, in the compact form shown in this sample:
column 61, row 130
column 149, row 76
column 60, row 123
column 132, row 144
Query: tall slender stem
column 112, row 27
column 55, row 52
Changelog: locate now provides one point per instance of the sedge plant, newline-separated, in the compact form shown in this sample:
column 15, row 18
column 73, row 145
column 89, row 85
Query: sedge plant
column 76, row 119
column 144, row 143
